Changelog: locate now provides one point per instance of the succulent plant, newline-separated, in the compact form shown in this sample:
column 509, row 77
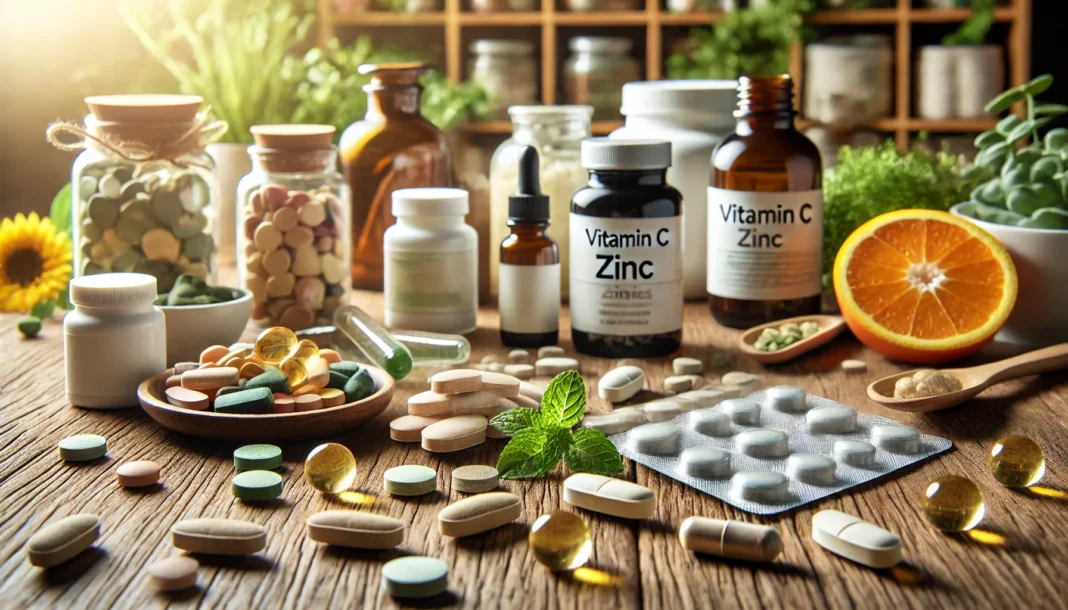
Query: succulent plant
column 1031, row 188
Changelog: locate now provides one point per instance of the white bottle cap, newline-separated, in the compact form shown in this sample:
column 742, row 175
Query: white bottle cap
column 430, row 202
column 625, row 154
column 113, row 289
column 671, row 97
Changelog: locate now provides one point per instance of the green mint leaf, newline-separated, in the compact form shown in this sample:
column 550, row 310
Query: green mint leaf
column 557, row 443
column 564, row 401
column 520, row 458
column 591, row 451
column 514, row 420
column 60, row 211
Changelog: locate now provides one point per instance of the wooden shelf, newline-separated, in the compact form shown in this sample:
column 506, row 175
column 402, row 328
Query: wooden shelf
column 871, row 16
column 694, row 18
column 598, row 128
column 951, row 125
column 389, row 18
column 955, row 15
column 599, row 19
column 526, row 18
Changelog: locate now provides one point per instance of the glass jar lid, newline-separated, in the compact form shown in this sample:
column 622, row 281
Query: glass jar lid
column 549, row 114
column 501, row 47
column 600, row 44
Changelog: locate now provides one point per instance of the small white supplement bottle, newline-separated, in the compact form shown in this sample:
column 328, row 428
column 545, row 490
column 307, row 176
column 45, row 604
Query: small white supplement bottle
column 431, row 262
column 114, row 339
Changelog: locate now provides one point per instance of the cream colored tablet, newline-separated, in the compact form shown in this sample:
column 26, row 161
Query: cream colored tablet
column 218, row 536
column 456, row 381
column 551, row 367
column 709, row 397
column 610, row 496
column 687, row 366
column 787, row 399
column 500, row 384
column 811, row 468
column 621, row 383
column 895, row 439
column 733, row 539
column 531, row 390
column 475, row 479
column 614, row 423
column 455, row 433
column 855, row 453
column 409, row 428
column 831, row 420
column 661, row 410
column 763, row 486
column 742, row 411
column 856, row 539
column 174, row 573
column 710, row 422
column 763, row 443
column 550, row 351
column 478, row 514
column 58, row 542
column 498, row 406
column 355, row 529
column 519, row 371
column 705, row 462
column 656, row 439
column 526, row 402
column 432, row 404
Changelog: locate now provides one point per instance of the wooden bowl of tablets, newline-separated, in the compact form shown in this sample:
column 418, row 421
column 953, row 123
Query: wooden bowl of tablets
column 320, row 423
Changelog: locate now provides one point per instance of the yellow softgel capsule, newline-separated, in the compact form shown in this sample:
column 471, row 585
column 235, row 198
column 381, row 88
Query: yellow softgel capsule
column 1017, row 461
column 330, row 468
column 299, row 361
column 954, row 504
column 275, row 344
column 560, row 541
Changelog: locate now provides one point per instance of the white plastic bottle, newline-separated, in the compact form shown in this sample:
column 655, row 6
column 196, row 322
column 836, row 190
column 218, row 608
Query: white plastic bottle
column 113, row 340
column 431, row 262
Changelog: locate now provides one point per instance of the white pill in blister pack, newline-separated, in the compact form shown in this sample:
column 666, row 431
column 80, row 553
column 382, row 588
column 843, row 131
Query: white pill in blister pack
column 742, row 411
column 856, row 539
column 895, row 438
column 811, row 468
column 705, row 462
column 831, row 420
column 710, row 422
column 656, row 439
column 785, row 398
column 762, row 486
column 661, row 410
column 763, row 443
column 859, row 454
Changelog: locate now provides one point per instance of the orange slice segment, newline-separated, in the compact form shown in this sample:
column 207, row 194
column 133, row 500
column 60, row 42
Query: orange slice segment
column 924, row 286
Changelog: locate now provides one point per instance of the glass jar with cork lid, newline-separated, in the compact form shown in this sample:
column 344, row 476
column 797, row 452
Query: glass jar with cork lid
column 142, row 196
column 293, row 232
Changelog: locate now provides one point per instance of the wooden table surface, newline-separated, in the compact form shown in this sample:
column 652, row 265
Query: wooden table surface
column 1017, row 557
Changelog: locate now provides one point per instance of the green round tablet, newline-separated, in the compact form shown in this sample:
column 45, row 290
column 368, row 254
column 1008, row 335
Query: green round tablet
column 257, row 485
column 257, row 457
column 415, row 577
column 83, row 447
column 410, row 480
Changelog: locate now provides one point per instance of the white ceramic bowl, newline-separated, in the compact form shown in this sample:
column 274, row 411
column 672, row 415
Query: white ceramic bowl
column 1040, row 316
column 191, row 328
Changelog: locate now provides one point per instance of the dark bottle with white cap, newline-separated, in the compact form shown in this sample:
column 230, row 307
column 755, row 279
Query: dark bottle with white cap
column 626, row 252
column 528, row 293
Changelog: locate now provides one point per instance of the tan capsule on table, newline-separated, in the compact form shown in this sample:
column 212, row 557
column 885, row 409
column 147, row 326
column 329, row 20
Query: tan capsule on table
column 219, row 536
column 174, row 573
column 140, row 473
column 210, row 378
column 455, row 433
column 500, row 384
column 355, row 529
column 63, row 540
column 479, row 513
column 733, row 539
column 187, row 399
column 456, row 381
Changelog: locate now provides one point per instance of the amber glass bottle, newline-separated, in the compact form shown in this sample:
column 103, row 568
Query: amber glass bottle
column 392, row 148
column 765, row 212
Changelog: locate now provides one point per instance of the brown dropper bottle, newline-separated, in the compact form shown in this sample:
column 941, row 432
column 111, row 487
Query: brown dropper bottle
column 392, row 148
column 765, row 212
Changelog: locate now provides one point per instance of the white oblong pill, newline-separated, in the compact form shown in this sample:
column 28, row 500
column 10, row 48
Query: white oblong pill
column 705, row 462
column 661, row 410
column 621, row 383
column 710, row 422
column 785, row 398
column 609, row 496
column 811, row 468
column 763, row 443
column 742, row 411
column 656, row 439
column 855, row 453
column 895, row 438
column 856, row 539
column 614, row 423
column 831, row 420
column 709, row 397
column 763, row 486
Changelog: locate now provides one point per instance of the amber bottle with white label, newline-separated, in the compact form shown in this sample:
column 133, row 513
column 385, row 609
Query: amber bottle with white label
column 765, row 212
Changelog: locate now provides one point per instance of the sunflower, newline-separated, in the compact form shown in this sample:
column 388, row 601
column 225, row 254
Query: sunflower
column 34, row 262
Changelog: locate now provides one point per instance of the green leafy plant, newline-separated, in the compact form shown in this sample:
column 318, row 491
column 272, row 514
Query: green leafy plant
column 540, row 439
column 975, row 28
column 871, row 181
column 228, row 52
column 1030, row 188
column 747, row 41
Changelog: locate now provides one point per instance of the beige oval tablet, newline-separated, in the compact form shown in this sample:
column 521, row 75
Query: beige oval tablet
column 455, row 433
column 431, row 404
column 61, row 541
column 531, row 390
column 553, row 366
column 478, row 514
column 456, row 381
column 519, row 371
column 355, row 529
column 409, row 428
column 210, row 379
column 141, row 473
column 526, row 402
column 186, row 398
column 218, row 536
column 500, row 384
column 610, row 496
column 174, row 573
column 475, row 479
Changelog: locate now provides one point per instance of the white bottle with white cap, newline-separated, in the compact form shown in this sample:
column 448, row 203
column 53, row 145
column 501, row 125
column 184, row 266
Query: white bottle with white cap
column 114, row 339
column 431, row 262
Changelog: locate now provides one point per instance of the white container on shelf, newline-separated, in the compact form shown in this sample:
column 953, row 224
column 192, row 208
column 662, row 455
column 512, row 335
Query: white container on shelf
column 848, row 79
column 695, row 115
column 936, row 82
column 956, row 82
column 431, row 262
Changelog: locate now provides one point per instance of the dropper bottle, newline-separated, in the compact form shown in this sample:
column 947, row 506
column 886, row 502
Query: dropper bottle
column 529, row 274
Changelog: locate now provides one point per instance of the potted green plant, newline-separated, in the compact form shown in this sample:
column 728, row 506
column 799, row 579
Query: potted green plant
column 956, row 78
column 1025, row 206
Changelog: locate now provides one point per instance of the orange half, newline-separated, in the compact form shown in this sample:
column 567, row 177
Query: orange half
column 924, row 286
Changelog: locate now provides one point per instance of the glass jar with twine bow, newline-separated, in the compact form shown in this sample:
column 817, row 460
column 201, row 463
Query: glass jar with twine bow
column 143, row 195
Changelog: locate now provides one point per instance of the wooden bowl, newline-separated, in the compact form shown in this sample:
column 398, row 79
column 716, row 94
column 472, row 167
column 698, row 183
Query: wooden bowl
column 259, row 428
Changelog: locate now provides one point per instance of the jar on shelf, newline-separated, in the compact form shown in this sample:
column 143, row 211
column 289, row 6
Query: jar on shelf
column 581, row 6
column 423, row 6
column 293, row 239
column 596, row 71
column 689, row 6
column 848, row 79
column 506, row 69
column 393, row 147
column 557, row 133
column 142, row 191
column 503, row 6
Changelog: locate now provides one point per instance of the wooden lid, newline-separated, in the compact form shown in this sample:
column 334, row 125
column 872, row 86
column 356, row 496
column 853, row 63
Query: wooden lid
column 145, row 108
column 293, row 137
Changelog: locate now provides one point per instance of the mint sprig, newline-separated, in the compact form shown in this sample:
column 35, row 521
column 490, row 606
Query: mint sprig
column 540, row 439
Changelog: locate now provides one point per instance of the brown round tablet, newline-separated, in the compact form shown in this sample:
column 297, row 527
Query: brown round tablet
column 141, row 473
column 174, row 573
column 332, row 397
column 187, row 399
column 308, row 402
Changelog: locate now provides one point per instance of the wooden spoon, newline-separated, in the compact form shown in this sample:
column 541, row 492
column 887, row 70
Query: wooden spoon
column 830, row 327
column 975, row 379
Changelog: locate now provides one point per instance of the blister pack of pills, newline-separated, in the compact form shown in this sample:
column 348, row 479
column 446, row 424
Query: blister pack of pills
column 776, row 449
